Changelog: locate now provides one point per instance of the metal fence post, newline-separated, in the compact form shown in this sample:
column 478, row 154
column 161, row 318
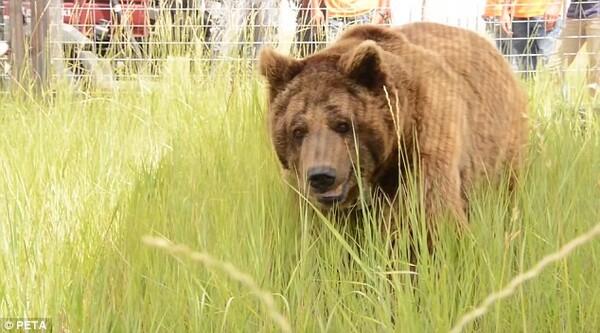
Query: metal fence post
column 54, row 50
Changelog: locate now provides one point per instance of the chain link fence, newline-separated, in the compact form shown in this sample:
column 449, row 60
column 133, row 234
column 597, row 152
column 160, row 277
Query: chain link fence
column 106, row 41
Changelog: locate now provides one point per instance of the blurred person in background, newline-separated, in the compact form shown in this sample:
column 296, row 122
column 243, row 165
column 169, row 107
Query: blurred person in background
column 247, row 26
column 309, row 37
column 581, row 27
column 491, row 16
column 398, row 12
column 532, row 26
column 341, row 14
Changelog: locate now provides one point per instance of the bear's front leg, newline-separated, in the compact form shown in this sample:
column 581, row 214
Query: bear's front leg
column 441, row 184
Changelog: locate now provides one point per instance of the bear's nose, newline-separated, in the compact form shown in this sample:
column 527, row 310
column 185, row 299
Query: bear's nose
column 321, row 178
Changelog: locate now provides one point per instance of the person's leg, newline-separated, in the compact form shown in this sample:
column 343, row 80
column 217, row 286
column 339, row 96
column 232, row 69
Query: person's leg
column 302, row 41
column 335, row 26
column 548, row 44
column 568, row 45
column 217, row 15
column 265, row 25
column 537, row 34
column 235, row 22
column 526, row 36
column 592, row 33
column 502, row 40
column 361, row 19
column 520, row 40
column 490, row 29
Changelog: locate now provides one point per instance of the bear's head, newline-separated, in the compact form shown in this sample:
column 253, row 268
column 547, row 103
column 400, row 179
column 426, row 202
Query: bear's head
column 330, row 119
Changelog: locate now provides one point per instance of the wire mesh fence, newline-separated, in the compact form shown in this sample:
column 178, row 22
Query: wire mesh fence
column 112, row 40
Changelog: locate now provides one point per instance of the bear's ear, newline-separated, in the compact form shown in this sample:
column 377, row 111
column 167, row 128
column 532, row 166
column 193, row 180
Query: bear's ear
column 278, row 69
column 364, row 65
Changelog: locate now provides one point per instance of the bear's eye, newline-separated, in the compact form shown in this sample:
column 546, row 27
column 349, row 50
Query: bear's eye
column 342, row 127
column 299, row 133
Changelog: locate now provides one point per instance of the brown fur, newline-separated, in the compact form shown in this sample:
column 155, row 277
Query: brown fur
column 454, row 99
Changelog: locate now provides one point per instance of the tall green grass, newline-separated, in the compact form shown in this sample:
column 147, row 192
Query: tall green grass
column 85, row 178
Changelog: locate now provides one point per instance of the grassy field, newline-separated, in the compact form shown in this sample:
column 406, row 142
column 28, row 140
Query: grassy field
column 85, row 180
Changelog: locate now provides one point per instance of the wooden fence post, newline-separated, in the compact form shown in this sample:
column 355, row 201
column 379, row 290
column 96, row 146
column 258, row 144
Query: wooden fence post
column 17, row 39
column 2, row 24
column 39, row 51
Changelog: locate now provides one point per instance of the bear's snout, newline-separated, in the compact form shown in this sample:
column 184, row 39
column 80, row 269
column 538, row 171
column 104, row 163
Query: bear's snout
column 321, row 178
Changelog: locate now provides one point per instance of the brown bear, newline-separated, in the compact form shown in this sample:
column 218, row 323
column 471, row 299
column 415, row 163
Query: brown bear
column 354, row 118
